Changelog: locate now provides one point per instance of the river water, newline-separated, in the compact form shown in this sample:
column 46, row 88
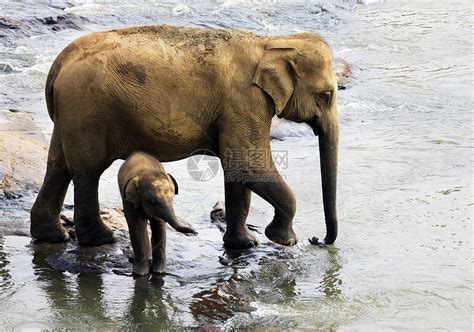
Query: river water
column 403, row 259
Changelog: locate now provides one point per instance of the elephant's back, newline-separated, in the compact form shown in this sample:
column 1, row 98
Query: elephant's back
column 194, row 46
column 184, row 37
column 196, row 42
column 123, row 54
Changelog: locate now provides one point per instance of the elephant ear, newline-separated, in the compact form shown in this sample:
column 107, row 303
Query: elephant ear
column 276, row 74
column 173, row 182
column 131, row 191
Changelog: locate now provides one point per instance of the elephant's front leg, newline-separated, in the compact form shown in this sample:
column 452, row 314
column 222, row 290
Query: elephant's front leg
column 255, row 170
column 137, row 227
column 158, row 242
column 270, row 186
column 237, row 204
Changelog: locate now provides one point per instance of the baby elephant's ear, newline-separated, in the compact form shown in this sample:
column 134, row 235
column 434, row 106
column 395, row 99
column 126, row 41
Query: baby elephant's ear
column 131, row 192
column 174, row 183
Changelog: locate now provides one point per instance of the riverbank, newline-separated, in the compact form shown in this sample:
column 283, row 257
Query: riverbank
column 23, row 154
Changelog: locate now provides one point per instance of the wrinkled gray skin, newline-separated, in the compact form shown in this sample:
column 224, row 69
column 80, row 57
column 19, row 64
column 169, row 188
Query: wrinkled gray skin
column 147, row 194
column 174, row 92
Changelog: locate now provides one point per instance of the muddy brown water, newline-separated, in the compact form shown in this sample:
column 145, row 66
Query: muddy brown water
column 403, row 259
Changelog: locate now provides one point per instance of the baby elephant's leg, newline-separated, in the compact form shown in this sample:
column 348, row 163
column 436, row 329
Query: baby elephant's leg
column 137, row 227
column 158, row 242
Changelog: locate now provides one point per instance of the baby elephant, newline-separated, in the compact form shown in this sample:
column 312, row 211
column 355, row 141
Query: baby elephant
column 147, row 194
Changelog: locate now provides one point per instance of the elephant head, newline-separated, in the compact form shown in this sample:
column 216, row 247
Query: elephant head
column 296, row 73
column 154, row 193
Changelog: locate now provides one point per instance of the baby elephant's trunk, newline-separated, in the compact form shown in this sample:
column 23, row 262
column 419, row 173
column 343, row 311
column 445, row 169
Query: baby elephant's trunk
column 179, row 225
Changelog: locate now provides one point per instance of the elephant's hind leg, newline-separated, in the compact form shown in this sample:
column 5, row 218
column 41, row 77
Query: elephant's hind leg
column 45, row 224
column 85, row 151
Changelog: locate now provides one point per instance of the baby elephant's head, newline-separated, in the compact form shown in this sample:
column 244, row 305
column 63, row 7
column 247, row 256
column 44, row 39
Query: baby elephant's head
column 154, row 192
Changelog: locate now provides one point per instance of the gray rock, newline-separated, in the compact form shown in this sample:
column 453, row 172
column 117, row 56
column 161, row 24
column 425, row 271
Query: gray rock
column 29, row 26
column 71, row 257
column 344, row 74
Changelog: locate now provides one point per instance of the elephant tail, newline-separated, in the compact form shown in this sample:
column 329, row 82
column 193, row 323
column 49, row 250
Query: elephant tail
column 53, row 73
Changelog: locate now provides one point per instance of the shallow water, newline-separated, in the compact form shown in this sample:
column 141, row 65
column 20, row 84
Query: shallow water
column 403, row 259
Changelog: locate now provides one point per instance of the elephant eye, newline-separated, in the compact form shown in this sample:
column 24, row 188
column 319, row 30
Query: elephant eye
column 325, row 97
column 153, row 201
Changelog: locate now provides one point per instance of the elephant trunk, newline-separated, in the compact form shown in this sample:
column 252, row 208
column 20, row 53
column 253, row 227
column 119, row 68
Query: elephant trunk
column 176, row 223
column 328, row 151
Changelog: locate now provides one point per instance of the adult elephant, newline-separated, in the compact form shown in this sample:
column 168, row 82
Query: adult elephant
column 171, row 91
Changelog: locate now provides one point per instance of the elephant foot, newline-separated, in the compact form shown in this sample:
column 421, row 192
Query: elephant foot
column 239, row 240
column 281, row 235
column 141, row 267
column 48, row 231
column 158, row 267
column 95, row 234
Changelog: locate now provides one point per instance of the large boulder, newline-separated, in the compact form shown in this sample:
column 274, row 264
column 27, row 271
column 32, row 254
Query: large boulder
column 23, row 154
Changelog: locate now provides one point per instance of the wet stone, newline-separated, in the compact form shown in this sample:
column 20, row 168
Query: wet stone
column 73, row 258
column 70, row 256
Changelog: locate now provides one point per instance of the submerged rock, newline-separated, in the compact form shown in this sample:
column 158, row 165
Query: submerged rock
column 222, row 301
column 71, row 257
column 6, row 68
column 74, row 258
column 61, row 22
column 9, row 23
column 29, row 26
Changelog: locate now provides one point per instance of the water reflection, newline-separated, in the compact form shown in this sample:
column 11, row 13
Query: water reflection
column 90, row 296
column 146, row 310
column 330, row 282
column 77, row 297
column 6, row 282
column 269, row 274
column 52, row 281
